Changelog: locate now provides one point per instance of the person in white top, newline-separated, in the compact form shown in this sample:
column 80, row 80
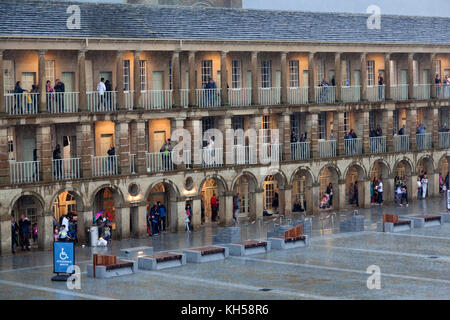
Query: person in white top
column 380, row 192
column 101, row 88
column 424, row 186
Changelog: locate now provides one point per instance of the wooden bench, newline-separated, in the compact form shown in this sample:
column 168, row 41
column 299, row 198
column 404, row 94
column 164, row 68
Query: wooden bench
column 206, row 254
column 160, row 261
column 245, row 248
column 392, row 223
column 107, row 266
column 292, row 238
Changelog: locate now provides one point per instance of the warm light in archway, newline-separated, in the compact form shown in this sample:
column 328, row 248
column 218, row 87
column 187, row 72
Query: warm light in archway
column 134, row 199
column 190, row 192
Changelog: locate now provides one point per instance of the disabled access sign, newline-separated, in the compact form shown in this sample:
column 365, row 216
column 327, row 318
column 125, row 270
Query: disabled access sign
column 63, row 256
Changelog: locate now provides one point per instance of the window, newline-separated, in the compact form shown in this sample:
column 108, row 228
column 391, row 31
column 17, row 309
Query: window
column 371, row 120
column 8, row 78
column 237, row 123
column 266, row 126
column 321, row 125
column 126, row 75
column 11, row 144
column 293, row 74
column 236, row 75
column 345, row 121
column 50, row 71
column 395, row 125
column 170, row 75
column 295, row 124
column 370, row 73
column 269, row 187
column 207, row 123
column 143, row 74
column 346, row 81
column 206, row 71
column 436, row 67
column 393, row 66
column 320, row 71
column 266, row 73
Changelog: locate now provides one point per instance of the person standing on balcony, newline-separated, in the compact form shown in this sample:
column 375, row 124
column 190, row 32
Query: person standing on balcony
column 111, row 161
column 18, row 97
column 446, row 86
column 58, row 162
column 401, row 132
column 166, row 150
column 108, row 95
column 101, row 88
column 380, row 86
column 60, row 89
column 50, row 95
column 324, row 91
column 437, row 83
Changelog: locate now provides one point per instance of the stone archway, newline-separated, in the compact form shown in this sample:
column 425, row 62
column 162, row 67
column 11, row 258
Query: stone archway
column 329, row 176
column 302, row 182
column 355, row 174
column 246, row 185
column 444, row 170
column 403, row 170
column 167, row 194
column 426, row 165
column 274, row 187
column 381, row 171
column 213, row 186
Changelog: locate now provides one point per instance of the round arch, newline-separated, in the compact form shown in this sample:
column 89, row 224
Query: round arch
column 246, row 185
column 426, row 165
column 302, row 180
column 380, row 170
column 80, row 205
column 403, row 169
column 355, row 174
column 213, row 186
column 274, row 184
column 329, row 175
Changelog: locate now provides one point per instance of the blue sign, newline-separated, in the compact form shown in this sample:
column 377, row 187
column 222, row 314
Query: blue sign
column 63, row 256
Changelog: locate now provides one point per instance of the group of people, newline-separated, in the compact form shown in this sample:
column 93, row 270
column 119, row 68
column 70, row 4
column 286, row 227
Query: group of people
column 31, row 101
column 443, row 183
column 156, row 219
column 327, row 198
column 375, row 144
column 66, row 228
column 376, row 191
column 422, row 186
column 104, row 89
column 401, row 191
column 295, row 139
column 442, row 83
column 22, row 232
column 52, row 95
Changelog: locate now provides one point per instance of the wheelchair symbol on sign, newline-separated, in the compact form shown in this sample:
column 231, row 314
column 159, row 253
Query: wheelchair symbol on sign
column 63, row 255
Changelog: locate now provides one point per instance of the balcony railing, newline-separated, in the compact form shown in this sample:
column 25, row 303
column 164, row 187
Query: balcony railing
column 24, row 172
column 424, row 141
column 63, row 169
column 22, row 103
column 132, row 163
column 62, row 102
column 444, row 139
column 156, row 99
column 244, row 155
column 353, row 146
column 129, row 99
column 240, row 97
column 207, row 98
column 269, row 96
column 376, row 93
column 212, row 157
column 159, row 162
column 327, row 148
column 104, row 166
column 298, row 95
column 184, row 98
column 325, row 94
column 271, row 153
column 399, row 92
column 422, row 91
column 300, row 150
column 443, row 91
column 378, row 144
column 101, row 102
column 351, row 93
column 401, row 143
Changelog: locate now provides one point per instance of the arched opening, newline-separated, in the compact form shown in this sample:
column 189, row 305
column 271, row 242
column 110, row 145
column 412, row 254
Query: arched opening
column 245, row 185
column 67, row 203
column 213, row 201
column 273, row 195
column 27, row 211
column 354, row 186
column 380, row 171
column 444, row 173
column 302, row 195
column 164, row 193
column 403, row 173
column 425, row 169
column 328, row 188
column 108, row 200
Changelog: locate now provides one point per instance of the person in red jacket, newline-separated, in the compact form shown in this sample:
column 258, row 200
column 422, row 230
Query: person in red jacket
column 214, row 207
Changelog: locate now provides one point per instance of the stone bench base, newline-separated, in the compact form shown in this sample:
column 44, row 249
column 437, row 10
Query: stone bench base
column 445, row 217
column 391, row 227
column 241, row 249
column 196, row 256
column 154, row 263
column 134, row 253
column 423, row 222
column 101, row 272
column 282, row 244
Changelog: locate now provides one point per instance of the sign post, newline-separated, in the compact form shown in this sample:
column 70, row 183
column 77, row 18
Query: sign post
column 63, row 258
column 448, row 199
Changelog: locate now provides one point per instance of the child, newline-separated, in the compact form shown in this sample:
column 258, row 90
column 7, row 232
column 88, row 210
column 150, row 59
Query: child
column 324, row 202
column 63, row 235
column 55, row 235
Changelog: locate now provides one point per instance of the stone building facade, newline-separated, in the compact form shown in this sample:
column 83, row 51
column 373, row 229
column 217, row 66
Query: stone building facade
column 267, row 80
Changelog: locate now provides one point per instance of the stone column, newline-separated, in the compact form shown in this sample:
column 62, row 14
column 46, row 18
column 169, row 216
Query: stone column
column 312, row 120
column 119, row 80
column 45, row 227
column 255, row 77
column 122, row 130
column 140, row 132
column 316, row 198
column 284, row 75
column 44, row 151
column 411, row 75
column 226, row 218
column 387, row 76
column 338, row 74
column 85, row 147
column 435, row 127
column 259, row 202
column 122, row 223
column 340, row 197
column 364, row 194
column 2, row 85
column 224, row 124
column 287, row 200
column 5, row 235
column 411, row 124
column 85, row 219
column 176, row 79
column 181, row 215
column 192, row 79
column 284, row 127
column 42, row 82
column 387, row 125
column 255, row 123
column 363, row 60
column 139, row 220
column 364, row 116
column 196, row 222
column 4, row 165
column 432, row 75
column 311, row 78
column 341, row 133
column 224, row 77
column 83, row 106
column 137, row 80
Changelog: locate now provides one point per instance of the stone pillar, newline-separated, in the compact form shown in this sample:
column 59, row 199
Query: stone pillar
column 364, row 194
column 2, row 85
column 44, row 151
column 4, row 164
column 287, row 195
column 340, row 197
column 311, row 78
column 284, row 75
column 176, row 79
column 5, row 234
column 84, row 222
column 226, row 216
column 284, row 127
column 192, row 79
column 341, row 133
column 255, row 123
column 224, row 124
column 411, row 75
column 259, row 202
column 338, row 74
column 363, row 60
column 85, row 147
column 42, row 82
column 364, row 116
column 181, row 215
column 432, row 75
column 83, row 106
column 140, row 130
column 411, row 125
column 119, row 80
column 137, row 80
column 122, row 223
column 387, row 76
column 387, row 125
column 123, row 146
column 45, row 233
column 139, row 220
column 195, row 128
column 311, row 130
column 255, row 77
column 224, row 77
column 435, row 127
column 316, row 198
column 196, row 222
column 412, row 196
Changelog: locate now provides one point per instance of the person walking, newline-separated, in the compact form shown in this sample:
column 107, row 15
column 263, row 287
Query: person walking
column 154, row 219
column 187, row 219
column 162, row 216
column 25, row 231
column 380, row 192
column 214, row 207
column 14, row 235
column 236, row 207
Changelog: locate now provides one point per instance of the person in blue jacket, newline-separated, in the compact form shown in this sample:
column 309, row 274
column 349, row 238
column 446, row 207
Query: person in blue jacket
column 162, row 216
